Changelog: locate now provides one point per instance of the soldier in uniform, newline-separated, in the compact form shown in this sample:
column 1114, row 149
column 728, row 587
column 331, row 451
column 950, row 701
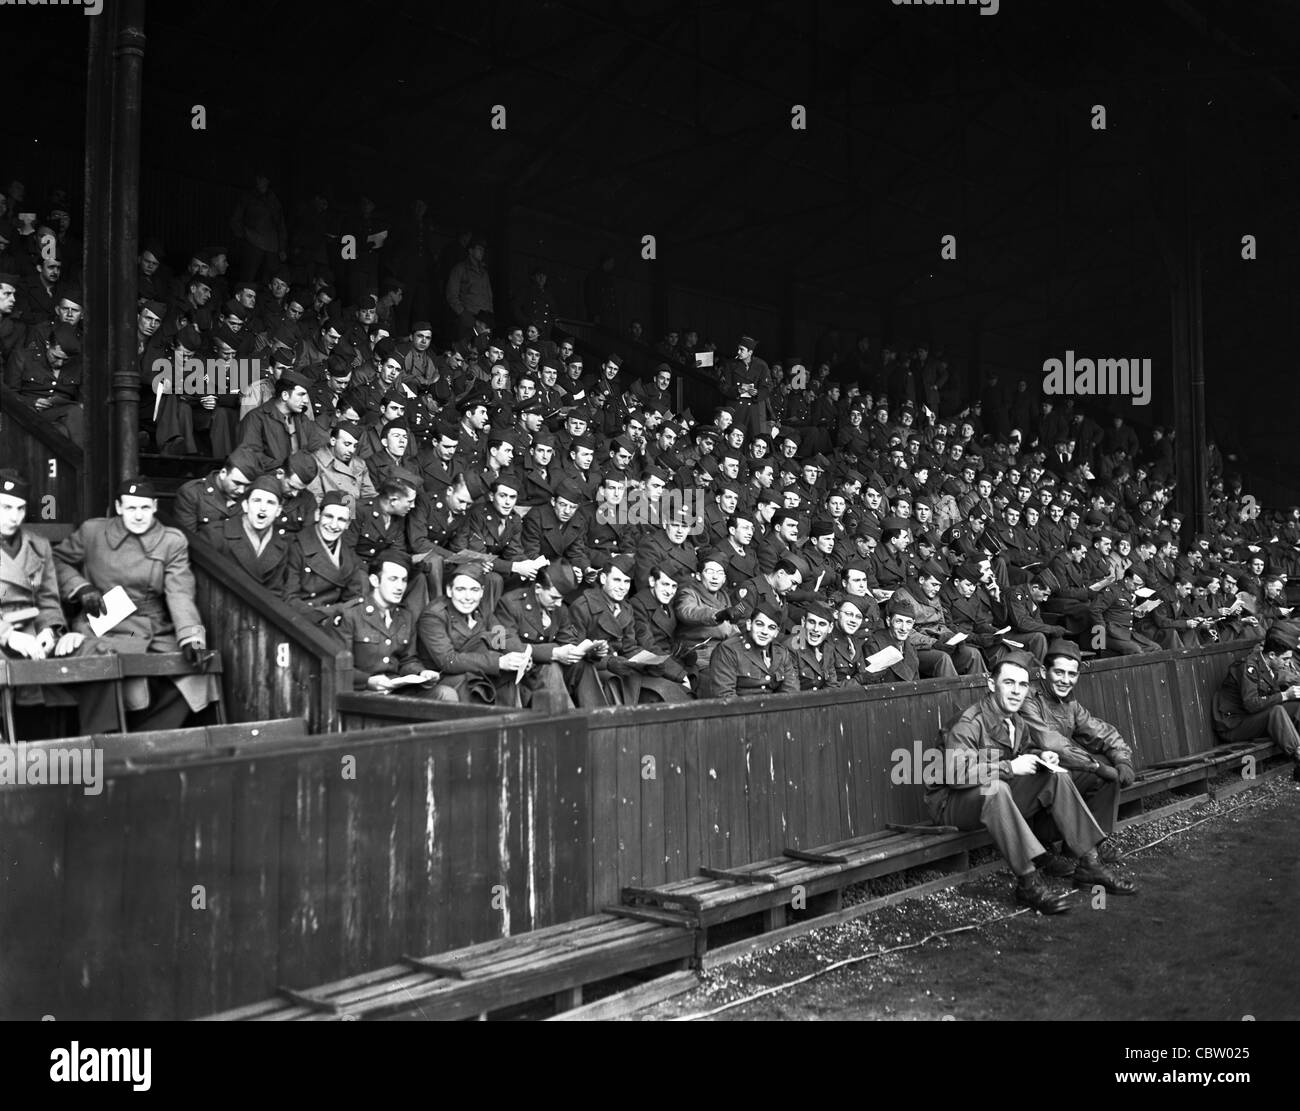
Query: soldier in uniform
column 603, row 615
column 495, row 531
column 324, row 575
column 537, row 617
column 753, row 663
column 997, row 775
column 655, row 623
column 900, row 617
column 379, row 631
column 297, row 503
column 556, row 532
column 477, row 663
column 254, row 541
column 151, row 563
column 706, row 611
column 210, row 500
column 338, row 468
column 1258, row 699
column 1097, row 757
column 813, row 655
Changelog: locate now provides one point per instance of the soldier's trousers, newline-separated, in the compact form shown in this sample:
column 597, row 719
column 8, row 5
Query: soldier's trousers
column 1100, row 795
column 1004, row 805
column 1278, row 723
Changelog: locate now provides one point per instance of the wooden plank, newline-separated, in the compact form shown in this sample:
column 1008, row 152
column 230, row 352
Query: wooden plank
column 255, row 875
column 603, row 761
column 651, row 804
column 571, row 821
column 307, row 936
column 628, row 771
column 95, row 869
column 204, row 938
column 675, row 822
column 32, row 912
column 429, row 801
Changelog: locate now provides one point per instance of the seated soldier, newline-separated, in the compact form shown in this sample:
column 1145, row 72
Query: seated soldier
column 997, row 774
column 494, row 530
column 931, row 632
column 896, row 634
column 151, row 563
column 253, row 541
column 47, row 374
column 297, row 503
column 1098, row 759
column 209, row 500
column 556, row 531
column 815, row 659
column 847, row 639
column 32, row 625
column 655, row 624
column 706, row 611
column 537, row 617
column 455, row 638
column 324, row 577
column 603, row 616
column 379, row 633
column 753, row 663
column 1257, row 698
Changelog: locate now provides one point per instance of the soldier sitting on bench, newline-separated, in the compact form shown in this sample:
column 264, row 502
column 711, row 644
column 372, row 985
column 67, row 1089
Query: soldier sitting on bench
column 997, row 774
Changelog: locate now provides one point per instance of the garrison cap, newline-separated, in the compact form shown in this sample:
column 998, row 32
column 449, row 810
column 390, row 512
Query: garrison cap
column 395, row 557
column 139, row 487
column 14, row 485
column 1061, row 647
column 335, row 497
column 267, row 483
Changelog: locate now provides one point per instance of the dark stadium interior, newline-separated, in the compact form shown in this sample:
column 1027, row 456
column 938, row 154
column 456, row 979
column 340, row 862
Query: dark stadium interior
column 672, row 119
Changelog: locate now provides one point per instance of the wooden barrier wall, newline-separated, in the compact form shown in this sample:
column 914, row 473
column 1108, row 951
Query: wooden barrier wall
column 276, row 663
column 741, row 781
column 448, row 834
column 309, row 876
column 35, row 448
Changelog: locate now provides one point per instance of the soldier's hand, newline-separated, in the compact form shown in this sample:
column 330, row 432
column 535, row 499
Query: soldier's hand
column 1124, row 773
column 69, row 643
column 1026, row 764
column 24, row 644
column 92, row 601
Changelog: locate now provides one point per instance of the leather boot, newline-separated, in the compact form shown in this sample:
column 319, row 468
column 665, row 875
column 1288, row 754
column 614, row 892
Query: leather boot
column 1031, row 891
column 1090, row 871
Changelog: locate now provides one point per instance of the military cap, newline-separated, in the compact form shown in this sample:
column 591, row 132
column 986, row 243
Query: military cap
column 720, row 556
column 9, row 279
column 14, row 485
column 66, row 338
column 585, row 440
column 768, row 497
column 289, row 379
column 624, row 561
column 1286, row 633
column 73, row 295
column 1020, row 659
column 900, row 606
column 335, row 497
column 543, row 438
column 394, row 556
column 793, row 564
column 968, row 571
column 818, row 609
column 139, row 487
column 678, row 515
column 400, row 424
column 284, row 356
column 769, row 609
column 748, row 341
column 570, row 491
column 303, row 464
column 267, row 483
column 1077, row 540
column 396, row 396
column 822, row 528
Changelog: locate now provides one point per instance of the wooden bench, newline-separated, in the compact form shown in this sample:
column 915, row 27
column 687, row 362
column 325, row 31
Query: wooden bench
column 204, row 739
column 113, row 668
column 1189, row 776
column 768, row 887
column 555, row 962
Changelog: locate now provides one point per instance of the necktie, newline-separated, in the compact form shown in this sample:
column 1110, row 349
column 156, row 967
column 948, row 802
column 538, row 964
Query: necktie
column 388, row 620
column 767, row 660
column 1011, row 734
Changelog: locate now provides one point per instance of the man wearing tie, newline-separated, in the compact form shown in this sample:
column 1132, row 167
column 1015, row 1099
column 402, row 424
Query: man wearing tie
column 997, row 775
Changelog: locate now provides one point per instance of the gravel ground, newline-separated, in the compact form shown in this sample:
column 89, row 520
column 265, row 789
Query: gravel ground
column 1202, row 939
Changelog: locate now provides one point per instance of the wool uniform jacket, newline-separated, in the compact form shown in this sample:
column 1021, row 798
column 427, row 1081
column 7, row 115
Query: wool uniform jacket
column 268, row 569
column 379, row 648
column 607, row 532
column 816, row 666
column 655, row 627
column 154, row 570
column 317, row 584
column 267, row 433
column 351, row 478
column 30, row 374
column 522, row 616
column 487, row 531
column 1250, row 687
column 1073, row 733
column 544, row 534
column 593, row 618
column 738, row 669
column 28, row 578
column 368, row 534
column 448, row 643
column 906, row 670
